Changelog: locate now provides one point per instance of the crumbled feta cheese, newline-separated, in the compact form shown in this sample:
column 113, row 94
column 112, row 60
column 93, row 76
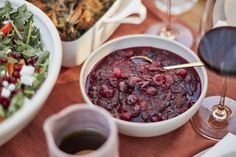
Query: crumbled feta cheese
column 5, row 83
column 5, row 22
column 5, row 93
column 8, row 51
column 27, row 80
column 27, row 70
column 3, row 72
column 12, row 87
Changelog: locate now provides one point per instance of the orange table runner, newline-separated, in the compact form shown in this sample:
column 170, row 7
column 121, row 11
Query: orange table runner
column 183, row 142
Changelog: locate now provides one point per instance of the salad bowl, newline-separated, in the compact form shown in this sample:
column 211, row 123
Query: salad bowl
column 50, row 41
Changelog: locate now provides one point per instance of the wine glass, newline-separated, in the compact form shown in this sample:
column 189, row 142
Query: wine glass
column 169, row 29
column 217, row 49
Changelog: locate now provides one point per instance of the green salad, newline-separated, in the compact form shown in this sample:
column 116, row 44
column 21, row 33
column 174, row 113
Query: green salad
column 23, row 62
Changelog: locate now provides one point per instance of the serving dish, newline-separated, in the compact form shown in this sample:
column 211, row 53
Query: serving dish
column 230, row 13
column 219, row 12
column 155, row 128
column 75, row 52
column 51, row 42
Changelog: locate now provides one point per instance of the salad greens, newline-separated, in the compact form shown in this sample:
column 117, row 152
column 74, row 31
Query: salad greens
column 23, row 62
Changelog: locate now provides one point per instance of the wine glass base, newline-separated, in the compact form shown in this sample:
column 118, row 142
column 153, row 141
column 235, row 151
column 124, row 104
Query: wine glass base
column 179, row 32
column 212, row 128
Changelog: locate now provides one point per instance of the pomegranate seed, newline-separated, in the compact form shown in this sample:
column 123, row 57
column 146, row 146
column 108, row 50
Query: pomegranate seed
column 16, row 74
column 3, row 60
column 10, row 54
column 5, row 103
column 14, row 40
column 1, row 99
column 30, row 61
column 12, row 80
column 5, row 78
column 18, row 56
column 18, row 68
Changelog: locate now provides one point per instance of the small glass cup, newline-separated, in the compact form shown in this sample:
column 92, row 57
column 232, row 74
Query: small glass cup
column 81, row 117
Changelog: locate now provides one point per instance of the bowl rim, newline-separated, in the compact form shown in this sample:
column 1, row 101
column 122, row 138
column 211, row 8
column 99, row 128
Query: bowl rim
column 130, row 37
column 25, row 111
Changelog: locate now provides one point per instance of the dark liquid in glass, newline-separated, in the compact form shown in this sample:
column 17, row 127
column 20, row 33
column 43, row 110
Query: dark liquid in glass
column 82, row 142
column 217, row 49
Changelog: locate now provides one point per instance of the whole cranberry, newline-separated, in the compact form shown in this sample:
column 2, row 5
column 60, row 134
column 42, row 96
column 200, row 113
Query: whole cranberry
column 169, row 79
column 106, row 92
column 122, row 86
column 133, row 80
column 136, row 108
column 116, row 72
column 143, row 105
column 131, row 99
column 159, row 79
column 113, row 82
column 181, row 72
column 150, row 90
column 126, row 116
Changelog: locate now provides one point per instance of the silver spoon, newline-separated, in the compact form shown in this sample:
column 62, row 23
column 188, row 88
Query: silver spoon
column 186, row 65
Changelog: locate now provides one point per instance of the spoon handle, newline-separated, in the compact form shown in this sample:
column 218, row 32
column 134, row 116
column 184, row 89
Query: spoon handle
column 187, row 65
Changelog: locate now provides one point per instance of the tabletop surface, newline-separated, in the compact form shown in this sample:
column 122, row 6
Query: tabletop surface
column 183, row 142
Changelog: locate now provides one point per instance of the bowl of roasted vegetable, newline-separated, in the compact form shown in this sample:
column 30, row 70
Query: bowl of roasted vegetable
column 84, row 25
column 30, row 61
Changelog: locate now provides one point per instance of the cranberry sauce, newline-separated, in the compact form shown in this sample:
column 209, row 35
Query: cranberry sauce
column 139, row 91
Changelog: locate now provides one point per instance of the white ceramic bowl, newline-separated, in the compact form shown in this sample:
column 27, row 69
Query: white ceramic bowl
column 52, row 42
column 75, row 52
column 155, row 128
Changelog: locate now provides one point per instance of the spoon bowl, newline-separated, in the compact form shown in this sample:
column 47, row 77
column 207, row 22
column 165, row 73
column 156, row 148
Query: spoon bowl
column 178, row 66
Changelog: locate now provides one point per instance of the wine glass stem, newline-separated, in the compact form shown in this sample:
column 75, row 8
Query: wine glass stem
column 223, row 93
column 221, row 111
column 169, row 15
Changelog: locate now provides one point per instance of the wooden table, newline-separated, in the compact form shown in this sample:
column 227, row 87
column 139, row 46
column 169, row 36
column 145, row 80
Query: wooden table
column 183, row 142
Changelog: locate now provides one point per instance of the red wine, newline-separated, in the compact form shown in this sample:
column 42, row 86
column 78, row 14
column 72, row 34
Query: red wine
column 82, row 142
column 217, row 49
